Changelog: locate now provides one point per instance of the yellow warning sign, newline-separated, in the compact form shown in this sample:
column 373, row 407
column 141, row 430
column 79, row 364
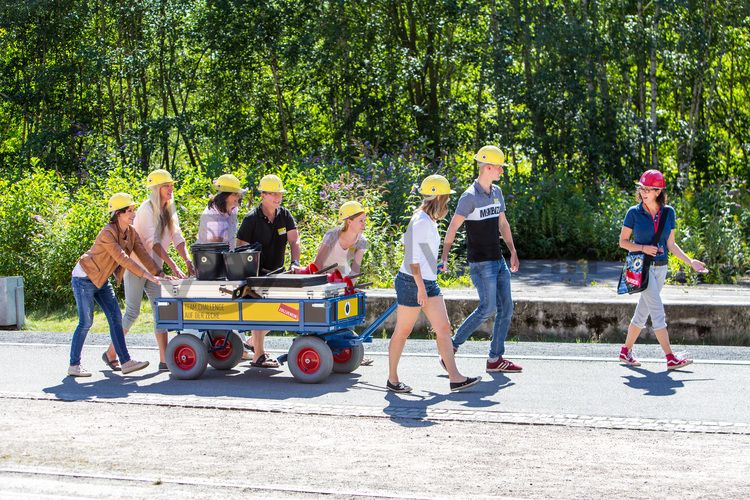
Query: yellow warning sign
column 348, row 308
column 284, row 312
column 210, row 311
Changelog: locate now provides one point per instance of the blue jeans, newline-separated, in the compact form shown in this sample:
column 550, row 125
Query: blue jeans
column 492, row 281
column 86, row 293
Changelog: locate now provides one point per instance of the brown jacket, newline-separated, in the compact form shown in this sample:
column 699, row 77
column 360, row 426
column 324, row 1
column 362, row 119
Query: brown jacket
column 110, row 253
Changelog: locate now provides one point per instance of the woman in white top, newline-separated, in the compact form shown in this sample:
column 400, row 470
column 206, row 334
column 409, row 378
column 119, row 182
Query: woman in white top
column 417, row 288
column 157, row 225
column 218, row 222
column 345, row 245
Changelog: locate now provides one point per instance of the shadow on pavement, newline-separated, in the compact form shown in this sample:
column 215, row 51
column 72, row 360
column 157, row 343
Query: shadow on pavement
column 242, row 382
column 410, row 410
column 657, row 383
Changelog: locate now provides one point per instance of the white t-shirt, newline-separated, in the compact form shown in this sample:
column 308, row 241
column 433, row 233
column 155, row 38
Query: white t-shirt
column 337, row 254
column 145, row 224
column 421, row 246
column 215, row 225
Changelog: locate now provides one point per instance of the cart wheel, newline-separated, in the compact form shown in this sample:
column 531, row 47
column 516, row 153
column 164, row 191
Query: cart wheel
column 187, row 357
column 310, row 359
column 228, row 357
column 347, row 360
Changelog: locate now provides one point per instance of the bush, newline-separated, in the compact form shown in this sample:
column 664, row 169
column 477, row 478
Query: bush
column 47, row 222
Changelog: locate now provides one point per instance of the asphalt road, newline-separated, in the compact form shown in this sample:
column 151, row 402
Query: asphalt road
column 575, row 381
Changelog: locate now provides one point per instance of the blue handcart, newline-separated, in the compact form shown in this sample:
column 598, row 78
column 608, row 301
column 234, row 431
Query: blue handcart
column 206, row 327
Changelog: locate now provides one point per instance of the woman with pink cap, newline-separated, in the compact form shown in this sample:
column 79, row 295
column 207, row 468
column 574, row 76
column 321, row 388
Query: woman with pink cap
column 638, row 232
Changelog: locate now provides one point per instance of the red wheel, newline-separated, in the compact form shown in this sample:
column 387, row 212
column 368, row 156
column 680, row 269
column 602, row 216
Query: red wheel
column 187, row 356
column 226, row 356
column 308, row 360
column 343, row 355
column 221, row 354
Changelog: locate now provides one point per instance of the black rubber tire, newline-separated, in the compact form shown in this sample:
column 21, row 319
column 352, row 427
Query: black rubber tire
column 310, row 359
column 187, row 357
column 230, row 356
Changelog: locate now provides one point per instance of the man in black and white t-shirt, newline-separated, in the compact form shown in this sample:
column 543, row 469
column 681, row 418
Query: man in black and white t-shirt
column 482, row 207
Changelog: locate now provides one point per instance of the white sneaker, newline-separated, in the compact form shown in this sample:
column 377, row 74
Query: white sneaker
column 78, row 371
column 132, row 366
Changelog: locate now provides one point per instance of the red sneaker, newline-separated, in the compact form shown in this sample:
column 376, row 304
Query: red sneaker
column 503, row 365
column 675, row 363
column 626, row 356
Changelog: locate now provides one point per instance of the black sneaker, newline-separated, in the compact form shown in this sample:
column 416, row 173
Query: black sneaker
column 400, row 387
column 163, row 367
column 470, row 381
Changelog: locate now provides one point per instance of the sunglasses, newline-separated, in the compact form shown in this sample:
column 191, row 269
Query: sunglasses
column 648, row 190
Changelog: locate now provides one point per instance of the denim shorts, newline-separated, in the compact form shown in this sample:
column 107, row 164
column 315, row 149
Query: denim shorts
column 406, row 290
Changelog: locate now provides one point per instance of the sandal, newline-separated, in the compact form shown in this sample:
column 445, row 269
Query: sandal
column 114, row 365
column 265, row 361
column 367, row 362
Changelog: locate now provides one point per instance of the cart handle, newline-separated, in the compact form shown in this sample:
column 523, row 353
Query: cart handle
column 367, row 333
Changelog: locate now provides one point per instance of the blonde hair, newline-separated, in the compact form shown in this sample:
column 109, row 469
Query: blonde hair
column 164, row 215
column 435, row 206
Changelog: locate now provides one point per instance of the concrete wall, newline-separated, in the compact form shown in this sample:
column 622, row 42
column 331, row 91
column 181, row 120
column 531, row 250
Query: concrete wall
column 551, row 319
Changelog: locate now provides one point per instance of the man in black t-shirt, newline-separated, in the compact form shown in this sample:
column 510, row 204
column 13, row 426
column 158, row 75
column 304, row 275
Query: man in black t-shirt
column 482, row 208
column 273, row 227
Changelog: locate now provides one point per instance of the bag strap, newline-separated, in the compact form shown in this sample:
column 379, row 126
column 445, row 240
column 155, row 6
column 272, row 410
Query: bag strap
column 662, row 221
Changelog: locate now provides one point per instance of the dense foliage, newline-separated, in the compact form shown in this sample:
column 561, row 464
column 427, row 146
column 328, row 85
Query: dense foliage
column 600, row 89
column 360, row 100
column 46, row 225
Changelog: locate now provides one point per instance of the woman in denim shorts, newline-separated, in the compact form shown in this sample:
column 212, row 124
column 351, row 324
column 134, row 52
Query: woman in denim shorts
column 417, row 289
column 638, row 231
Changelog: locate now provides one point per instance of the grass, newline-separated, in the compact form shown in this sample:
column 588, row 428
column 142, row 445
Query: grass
column 65, row 319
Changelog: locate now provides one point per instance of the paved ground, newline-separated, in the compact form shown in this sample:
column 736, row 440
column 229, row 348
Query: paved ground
column 574, row 424
column 571, row 425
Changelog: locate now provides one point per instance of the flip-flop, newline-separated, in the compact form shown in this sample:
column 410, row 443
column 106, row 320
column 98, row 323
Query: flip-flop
column 113, row 365
column 264, row 361
column 367, row 362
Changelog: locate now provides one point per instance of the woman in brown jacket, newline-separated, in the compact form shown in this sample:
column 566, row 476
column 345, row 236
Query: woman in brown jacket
column 109, row 254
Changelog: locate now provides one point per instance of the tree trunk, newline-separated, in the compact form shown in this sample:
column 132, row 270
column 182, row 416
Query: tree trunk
column 652, row 80
column 283, row 131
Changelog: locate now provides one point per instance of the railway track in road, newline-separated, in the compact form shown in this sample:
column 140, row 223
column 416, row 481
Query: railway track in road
column 32, row 482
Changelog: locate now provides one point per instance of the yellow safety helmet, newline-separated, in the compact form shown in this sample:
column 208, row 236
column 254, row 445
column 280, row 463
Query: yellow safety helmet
column 159, row 177
column 491, row 155
column 118, row 201
column 350, row 209
column 228, row 183
column 434, row 185
column 271, row 184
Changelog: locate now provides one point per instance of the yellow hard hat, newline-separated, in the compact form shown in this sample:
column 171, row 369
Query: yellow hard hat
column 228, row 183
column 491, row 155
column 350, row 209
column 159, row 177
column 434, row 185
column 120, row 200
column 271, row 184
